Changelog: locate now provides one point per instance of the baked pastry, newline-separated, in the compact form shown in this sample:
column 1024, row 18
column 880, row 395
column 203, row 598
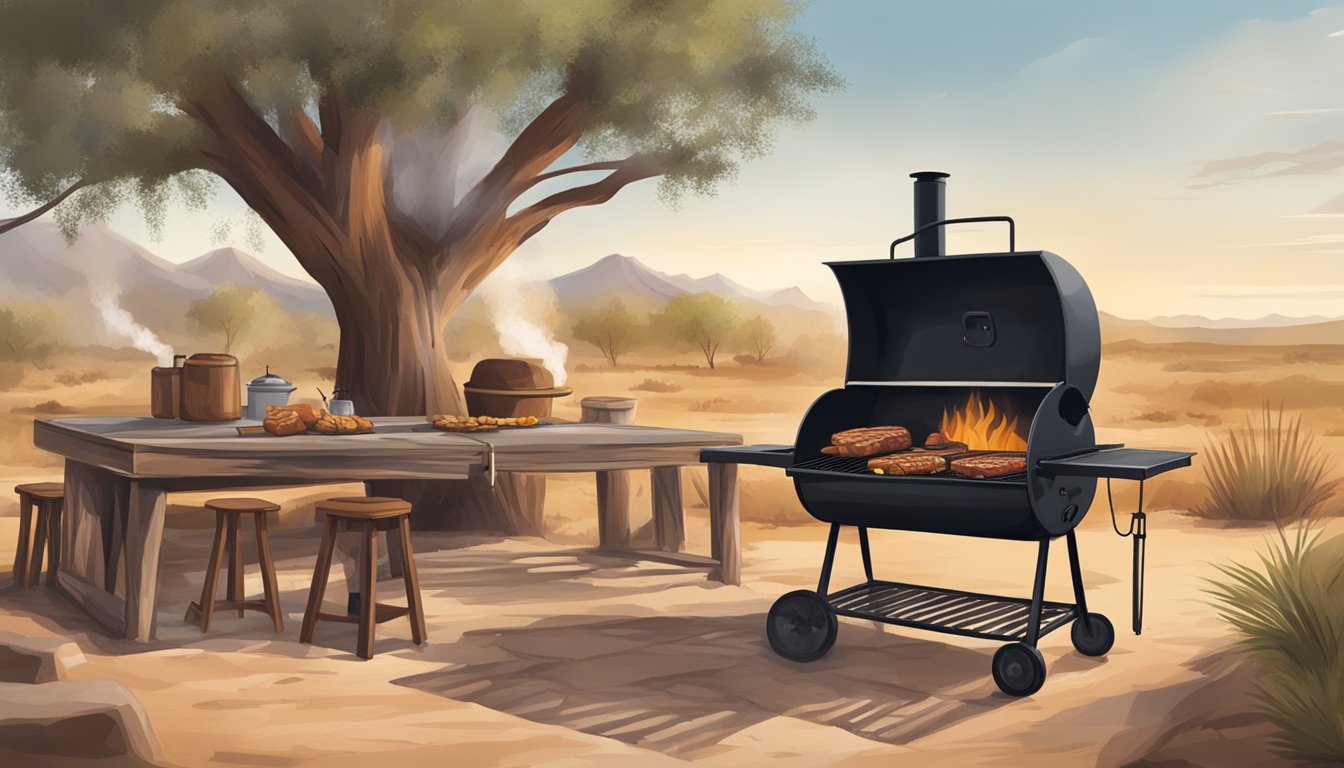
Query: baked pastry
column 450, row 423
column 331, row 424
column 283, row 421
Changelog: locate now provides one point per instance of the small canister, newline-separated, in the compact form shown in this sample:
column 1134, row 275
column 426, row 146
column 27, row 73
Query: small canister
column 340, row 405
column 265, row 390
column 165, row 389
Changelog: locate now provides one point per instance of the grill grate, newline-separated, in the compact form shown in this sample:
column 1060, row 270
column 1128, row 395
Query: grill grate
column 851, row 465
column 946, row 610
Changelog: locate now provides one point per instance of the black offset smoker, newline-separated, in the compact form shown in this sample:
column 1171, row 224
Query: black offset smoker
column 1016, row 330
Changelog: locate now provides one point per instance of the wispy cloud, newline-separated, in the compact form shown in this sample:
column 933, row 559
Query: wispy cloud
column 1311, row 241
column 1323, row 291
column 1324, row 158
column 1313, row 111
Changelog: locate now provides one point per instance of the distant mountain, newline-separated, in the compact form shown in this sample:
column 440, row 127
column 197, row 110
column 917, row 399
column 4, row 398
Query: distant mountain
column 618, row 275
column 1118, row 329
column 36, row 262
column 1268, row 321
column 629, row 278
column 230, row 265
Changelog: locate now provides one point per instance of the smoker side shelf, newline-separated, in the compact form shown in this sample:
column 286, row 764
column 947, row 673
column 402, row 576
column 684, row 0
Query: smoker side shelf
column 992, row 617
column 765, row 455
column 1117, row 463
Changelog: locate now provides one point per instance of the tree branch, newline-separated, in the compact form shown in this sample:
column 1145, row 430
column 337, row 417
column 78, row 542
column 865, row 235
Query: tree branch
column 552, row 133
column 533, row 218
column 18, row 221
column 607, row 165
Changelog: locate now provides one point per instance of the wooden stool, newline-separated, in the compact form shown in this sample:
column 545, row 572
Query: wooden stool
column 369, row 514
column 227, row 518
column 48, row 498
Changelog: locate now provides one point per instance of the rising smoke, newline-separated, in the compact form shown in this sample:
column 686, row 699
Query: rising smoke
column 519, row 311
column 120, row 322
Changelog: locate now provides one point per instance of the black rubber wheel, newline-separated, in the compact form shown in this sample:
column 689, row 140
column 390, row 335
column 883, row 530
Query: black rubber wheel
column 801, row 626
column 1092, row 635
column 1019, row 669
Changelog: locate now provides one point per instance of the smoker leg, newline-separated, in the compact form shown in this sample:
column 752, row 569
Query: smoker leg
column 1076, row 570
column 1037, row 595
column 867, row 553
column 824, row 584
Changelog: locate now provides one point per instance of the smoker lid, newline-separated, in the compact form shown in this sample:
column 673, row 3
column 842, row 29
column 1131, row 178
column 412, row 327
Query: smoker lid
column 270, row 382
column 1023, row 318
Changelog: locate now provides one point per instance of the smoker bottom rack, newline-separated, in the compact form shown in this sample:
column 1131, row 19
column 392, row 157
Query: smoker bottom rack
column 991, row 617
column 802, row 625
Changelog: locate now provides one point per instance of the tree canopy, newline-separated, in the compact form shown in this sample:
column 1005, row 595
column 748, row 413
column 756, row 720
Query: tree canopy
column 702, row 319
column 132, row 101
column 613, row 329
column 231, row 311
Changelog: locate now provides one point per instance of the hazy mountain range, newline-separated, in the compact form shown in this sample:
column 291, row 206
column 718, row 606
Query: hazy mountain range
column 37, row 263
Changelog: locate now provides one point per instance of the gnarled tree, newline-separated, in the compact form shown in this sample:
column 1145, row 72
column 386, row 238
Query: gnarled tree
column 348, row 128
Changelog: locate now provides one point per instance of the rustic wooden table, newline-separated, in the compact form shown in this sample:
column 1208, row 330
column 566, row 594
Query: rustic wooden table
column 119, row 470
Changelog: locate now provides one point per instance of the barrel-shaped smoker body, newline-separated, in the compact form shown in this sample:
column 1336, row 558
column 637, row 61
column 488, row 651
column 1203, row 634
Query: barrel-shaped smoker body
column 1027, row 507
column 1018, row 330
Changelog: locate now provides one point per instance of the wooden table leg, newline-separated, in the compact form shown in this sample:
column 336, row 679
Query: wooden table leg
column 669, row 519
column 723, row 522
column 25, row 544
column 144, row 537
column 54, row 547
column 613, row 509
column 92, row 497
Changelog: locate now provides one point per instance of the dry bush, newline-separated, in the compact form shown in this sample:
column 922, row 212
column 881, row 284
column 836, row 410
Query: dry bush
column 74, row 379
column 657, row 385
column 1290, row 615
column 1273, row 472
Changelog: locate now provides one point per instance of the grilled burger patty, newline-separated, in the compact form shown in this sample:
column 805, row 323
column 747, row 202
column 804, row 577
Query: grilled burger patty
column 990, row 465
column 908, row 464
column 870, row 441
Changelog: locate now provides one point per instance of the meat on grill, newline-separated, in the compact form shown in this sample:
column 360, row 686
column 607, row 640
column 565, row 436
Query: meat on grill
column 870, row 441
column 990, row 465
column 908, row 464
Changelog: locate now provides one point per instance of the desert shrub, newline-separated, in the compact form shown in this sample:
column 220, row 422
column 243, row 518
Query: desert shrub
column 1290, row 615
column 74, row 379
column 1270, row 472
column 657, row 385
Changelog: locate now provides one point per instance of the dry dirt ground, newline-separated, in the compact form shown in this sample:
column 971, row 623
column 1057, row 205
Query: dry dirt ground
column 558, row 655
column 543, row 652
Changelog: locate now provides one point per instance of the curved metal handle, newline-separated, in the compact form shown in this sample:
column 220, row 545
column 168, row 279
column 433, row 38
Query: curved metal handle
column 1012, row 230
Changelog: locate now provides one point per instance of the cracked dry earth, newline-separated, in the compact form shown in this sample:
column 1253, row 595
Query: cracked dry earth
column 548, row 654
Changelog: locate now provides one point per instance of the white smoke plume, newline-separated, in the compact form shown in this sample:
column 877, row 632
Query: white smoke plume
column 120, row 322
column 519, row 310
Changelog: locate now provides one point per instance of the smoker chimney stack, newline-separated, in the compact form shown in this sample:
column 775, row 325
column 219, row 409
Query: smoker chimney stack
column 929, row 207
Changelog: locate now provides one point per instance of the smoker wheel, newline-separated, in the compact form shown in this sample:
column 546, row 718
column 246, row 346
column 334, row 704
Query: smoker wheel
column 1093, row 635
column 801, row 626
column 1019, row 669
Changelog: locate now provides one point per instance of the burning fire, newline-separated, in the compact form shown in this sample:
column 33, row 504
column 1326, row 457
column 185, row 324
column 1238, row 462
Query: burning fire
column 982, row 427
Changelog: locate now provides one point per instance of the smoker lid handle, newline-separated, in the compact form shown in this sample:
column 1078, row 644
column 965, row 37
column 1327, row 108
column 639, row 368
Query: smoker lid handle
column 1012, row 230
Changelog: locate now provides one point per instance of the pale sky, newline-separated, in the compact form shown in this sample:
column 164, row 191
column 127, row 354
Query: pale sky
column 1185, row 156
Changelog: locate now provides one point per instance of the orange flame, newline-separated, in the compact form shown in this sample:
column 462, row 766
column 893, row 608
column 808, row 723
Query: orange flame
column 982, row 427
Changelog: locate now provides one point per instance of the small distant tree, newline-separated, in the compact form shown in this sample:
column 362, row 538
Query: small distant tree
column 702, row 319
column 613, row 329
column 230, row 310
column 23, row 336
column 759, row 335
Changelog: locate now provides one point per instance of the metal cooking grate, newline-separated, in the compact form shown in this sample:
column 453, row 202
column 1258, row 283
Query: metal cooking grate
column 946, row 610
column 850, row 465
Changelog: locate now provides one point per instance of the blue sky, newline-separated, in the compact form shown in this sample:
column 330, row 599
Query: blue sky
column 1122, row 135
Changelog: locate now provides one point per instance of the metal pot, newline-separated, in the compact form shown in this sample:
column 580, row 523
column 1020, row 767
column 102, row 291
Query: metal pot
column 165, row 389
column 210, row 389
column 267, row 390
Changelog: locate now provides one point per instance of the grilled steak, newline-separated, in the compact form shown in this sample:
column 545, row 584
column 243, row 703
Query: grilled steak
column 990, row 465
column 946, row 449
column 908, row 464
column 871, row 441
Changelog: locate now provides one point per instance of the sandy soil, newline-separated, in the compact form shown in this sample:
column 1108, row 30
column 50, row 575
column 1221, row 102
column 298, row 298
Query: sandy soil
column 544, row 652
column 556, row 655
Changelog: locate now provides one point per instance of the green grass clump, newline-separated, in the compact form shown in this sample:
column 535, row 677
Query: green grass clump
column 1290, row 615
column 1271, row 473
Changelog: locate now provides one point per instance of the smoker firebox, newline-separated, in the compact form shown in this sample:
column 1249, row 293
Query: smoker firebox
column 1007, row 346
